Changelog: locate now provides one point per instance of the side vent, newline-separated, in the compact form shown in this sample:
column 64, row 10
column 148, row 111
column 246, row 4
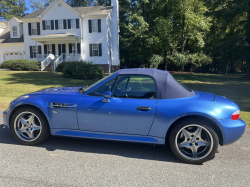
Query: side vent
column 62, row 105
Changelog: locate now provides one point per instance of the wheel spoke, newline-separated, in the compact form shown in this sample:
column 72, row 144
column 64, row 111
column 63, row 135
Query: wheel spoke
column 202, row 142
column 35, row 127
column 186, row 133
column 197, row 133
column 31, row 118
column 23, row 121
column 194, row 150
column 30, row 134
column 184, row 144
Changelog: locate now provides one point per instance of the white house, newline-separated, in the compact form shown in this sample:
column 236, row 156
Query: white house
column 69, row 33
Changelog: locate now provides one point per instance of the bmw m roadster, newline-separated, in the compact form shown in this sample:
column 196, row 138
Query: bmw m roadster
column 133, row 105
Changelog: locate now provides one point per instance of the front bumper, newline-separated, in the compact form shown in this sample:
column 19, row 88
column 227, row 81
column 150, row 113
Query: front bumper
column 232, row 130
column 5, row 119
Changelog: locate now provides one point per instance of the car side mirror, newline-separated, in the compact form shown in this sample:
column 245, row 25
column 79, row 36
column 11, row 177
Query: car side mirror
column 107, row 96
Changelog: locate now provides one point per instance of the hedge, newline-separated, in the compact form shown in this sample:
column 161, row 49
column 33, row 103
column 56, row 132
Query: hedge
column 61, row 66
column 82, row 70
column 21, row 65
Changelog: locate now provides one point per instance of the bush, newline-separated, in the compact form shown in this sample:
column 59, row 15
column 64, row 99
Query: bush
column 61, row 66
column 21, row 65
column 83, row 70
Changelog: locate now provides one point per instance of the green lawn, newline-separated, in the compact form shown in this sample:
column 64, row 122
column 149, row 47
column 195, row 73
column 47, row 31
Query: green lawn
column 14, row 84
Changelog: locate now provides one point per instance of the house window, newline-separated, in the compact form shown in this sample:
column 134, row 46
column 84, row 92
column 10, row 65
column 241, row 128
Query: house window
column 73, row 23
column 60, row 24
column 95, row 49
column 94, row 25
column 14, row 30
column 73, row 48
column 49, row 49
column 47, row 22
column 34, row 49
column 33, row 28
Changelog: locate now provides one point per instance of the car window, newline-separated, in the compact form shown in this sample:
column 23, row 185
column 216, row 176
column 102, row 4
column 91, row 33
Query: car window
column 103, row 88
column 135, row 86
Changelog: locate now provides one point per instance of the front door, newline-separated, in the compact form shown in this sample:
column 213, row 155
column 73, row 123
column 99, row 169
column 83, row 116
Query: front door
column 131, row 109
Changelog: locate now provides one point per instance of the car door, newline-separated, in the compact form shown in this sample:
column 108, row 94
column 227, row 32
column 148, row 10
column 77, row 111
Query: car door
column 130, row 110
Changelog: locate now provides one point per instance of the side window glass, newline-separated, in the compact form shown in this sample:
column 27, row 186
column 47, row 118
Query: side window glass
column 103, row 88
column 135, row 86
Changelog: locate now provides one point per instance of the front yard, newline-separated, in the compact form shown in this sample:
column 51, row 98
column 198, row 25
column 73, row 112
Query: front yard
column 15, row 83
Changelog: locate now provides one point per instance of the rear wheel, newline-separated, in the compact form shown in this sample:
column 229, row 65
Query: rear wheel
column 29, row 126
column 194, row 141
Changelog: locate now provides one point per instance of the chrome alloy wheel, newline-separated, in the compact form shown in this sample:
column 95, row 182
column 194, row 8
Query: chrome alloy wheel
column 27, row 126
column 194, row 142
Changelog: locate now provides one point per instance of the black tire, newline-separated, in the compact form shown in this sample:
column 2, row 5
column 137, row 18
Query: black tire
column 44, row 131
column 183, row 153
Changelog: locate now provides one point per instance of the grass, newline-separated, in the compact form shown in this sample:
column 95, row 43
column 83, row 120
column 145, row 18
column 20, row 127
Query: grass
column 15, row 83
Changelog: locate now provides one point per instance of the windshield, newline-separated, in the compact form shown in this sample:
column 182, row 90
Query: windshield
column 82, row 90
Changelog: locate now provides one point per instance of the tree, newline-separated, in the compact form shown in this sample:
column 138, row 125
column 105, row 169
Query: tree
column 12, row 8
column 40, row 4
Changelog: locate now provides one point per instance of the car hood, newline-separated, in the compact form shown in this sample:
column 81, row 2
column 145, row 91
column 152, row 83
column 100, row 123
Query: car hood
column 59, row 91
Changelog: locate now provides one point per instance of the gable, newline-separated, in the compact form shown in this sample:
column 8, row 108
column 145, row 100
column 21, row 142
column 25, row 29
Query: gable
column 59, row 9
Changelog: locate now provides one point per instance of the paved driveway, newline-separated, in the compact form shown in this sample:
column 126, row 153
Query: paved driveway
column 79, row 162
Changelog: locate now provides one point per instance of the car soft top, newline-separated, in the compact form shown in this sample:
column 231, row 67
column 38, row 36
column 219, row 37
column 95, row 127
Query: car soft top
column 167, row 86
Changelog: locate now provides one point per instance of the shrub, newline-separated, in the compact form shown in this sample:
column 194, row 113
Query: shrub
column 83, row 70
column 21, row 65
column 61, row 66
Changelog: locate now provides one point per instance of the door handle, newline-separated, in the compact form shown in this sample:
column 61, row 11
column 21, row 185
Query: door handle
column 143, row 108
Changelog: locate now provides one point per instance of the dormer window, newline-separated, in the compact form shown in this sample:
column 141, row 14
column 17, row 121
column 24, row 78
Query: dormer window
column 34, row 28
column 47, row 24
column 14, row 30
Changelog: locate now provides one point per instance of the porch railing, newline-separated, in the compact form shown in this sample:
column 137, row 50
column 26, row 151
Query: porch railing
column 58, row 61
column 47, row 61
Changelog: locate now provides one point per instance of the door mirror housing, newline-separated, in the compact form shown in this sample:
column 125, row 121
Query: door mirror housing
column 107, row 96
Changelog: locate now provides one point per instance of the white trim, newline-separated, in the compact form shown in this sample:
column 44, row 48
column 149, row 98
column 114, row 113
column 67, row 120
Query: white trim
column 15, row 19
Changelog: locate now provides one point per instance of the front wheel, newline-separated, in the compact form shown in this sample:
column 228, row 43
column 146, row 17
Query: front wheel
column 29, row 126
column 194, row 141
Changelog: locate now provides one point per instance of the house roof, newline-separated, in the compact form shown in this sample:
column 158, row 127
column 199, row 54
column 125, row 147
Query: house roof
column 64, row 36
column 90, row 10
column 3, row 23
column 5, row 36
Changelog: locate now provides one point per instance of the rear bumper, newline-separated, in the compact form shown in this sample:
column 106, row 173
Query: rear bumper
column 5, row 119
column 232, row 130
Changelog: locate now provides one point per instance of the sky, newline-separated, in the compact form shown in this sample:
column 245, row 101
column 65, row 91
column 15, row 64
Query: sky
column 28, row 6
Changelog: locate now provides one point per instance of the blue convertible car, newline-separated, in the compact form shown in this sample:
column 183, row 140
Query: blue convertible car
column 133, row 105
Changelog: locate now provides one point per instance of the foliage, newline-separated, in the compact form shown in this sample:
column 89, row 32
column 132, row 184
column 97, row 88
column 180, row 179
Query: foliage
column 21, row 65
column 83, row 70
column 180, row 60
column 197, row 60
column 12, row 8
column 40, row 4
column 61, row 66
column 155, row 60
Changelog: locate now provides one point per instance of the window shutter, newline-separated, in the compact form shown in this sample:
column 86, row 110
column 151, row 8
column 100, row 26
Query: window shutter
column 63, row 48
column 56, row 24
column 44, row 28
column 100, row 49
column 77, row 23
column 90, row 50
column 78, row 48
column 29, row 27
column 31, row 52
column 90, row 26
column 59, row 49
column 45, row 49
column 69, row 24
column 39, row 49
column 38, row 28
column 53, row 49
column 99, row 25
column 52, row 24
column 70, row 48
column 65, row 24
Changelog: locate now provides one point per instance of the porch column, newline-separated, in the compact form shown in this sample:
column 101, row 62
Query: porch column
column 49, row 46
column 76, row 59
column 36, row 50
column 61, row 48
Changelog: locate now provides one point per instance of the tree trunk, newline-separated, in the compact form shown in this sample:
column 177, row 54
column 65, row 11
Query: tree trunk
column 248, row 68
column 248, row 41
column 182, row 35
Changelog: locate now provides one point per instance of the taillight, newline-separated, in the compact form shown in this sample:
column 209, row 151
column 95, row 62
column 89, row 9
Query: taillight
column 236, row 115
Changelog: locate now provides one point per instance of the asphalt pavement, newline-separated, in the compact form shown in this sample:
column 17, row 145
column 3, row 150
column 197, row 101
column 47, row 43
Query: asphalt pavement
column 83, row 162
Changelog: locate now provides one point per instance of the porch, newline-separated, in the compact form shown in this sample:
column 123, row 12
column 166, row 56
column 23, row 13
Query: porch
column 57, row 48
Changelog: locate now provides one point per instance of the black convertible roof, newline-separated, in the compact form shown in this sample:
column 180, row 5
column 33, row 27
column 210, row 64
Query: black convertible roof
column 167, row 86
